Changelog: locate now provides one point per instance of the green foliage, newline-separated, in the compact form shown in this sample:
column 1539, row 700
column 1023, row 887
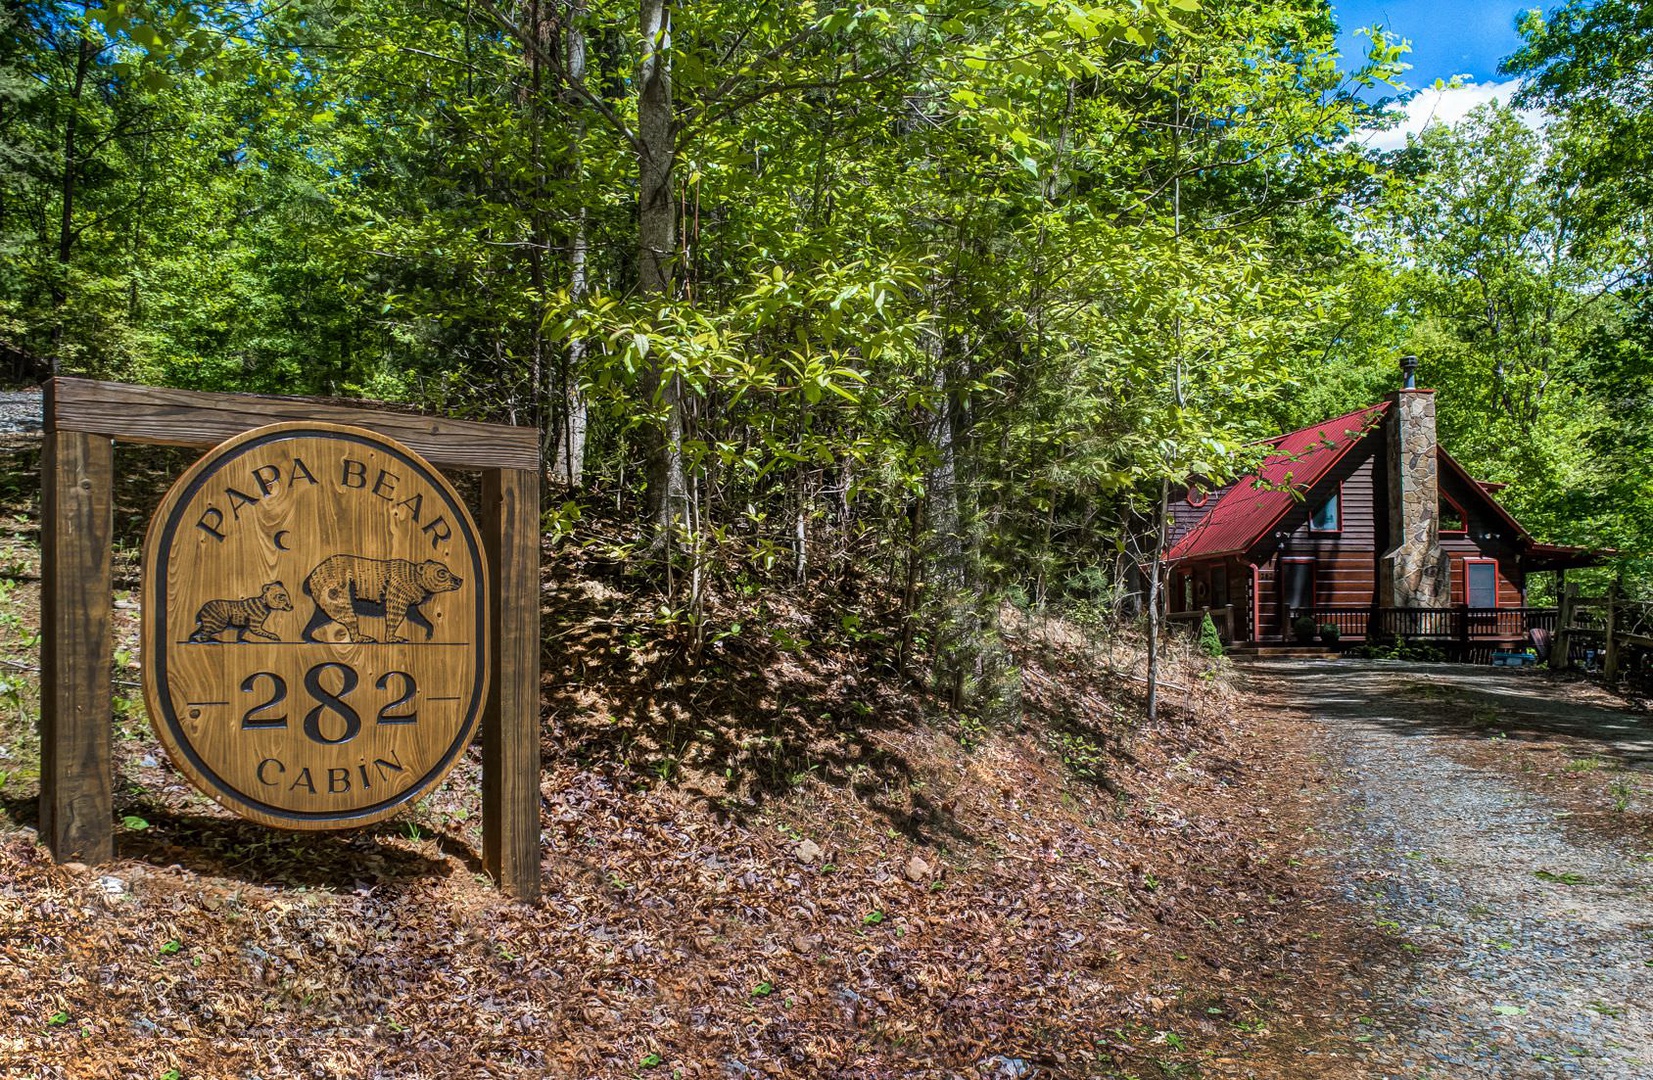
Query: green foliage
column 1586, row 61
column 1498, row 267
column 953, row 288
column 1210, row 643
column 1399, row 649
column 1082, row 753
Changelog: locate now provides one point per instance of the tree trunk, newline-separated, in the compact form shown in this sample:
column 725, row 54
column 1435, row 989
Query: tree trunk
column 958, row 652
column 66, row 217
column 568, row 455
column 539, row 233
column 656, row 248
column 1157, row 571
column 941, row 482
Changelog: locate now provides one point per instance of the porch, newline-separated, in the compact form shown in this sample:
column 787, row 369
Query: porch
column 1459, row 628
column 1469, row 633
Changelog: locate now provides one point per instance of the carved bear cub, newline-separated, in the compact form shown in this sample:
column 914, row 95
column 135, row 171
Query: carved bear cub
column 247, row 615
column 346, row 587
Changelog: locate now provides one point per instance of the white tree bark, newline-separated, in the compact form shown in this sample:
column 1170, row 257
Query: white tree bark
column 656, row 248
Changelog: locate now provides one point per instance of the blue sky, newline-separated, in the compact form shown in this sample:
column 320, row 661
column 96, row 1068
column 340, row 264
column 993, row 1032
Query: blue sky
column 1449, row 37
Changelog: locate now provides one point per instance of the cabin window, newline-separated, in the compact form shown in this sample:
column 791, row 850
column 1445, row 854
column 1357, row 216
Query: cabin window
column 1196, row 497
column 1327, row 516
column 1452, row 517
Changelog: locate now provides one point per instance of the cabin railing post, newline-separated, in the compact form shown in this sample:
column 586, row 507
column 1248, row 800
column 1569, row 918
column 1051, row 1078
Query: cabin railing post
column 1610, row 662
column 76, row 644
column 1561, row 642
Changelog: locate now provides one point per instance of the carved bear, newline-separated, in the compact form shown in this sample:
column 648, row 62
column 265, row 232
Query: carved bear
column 246, row 615
column 346, row 587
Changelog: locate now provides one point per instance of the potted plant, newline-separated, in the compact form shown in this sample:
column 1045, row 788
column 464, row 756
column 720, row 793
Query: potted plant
column 1329, row 633
column 1303, row 627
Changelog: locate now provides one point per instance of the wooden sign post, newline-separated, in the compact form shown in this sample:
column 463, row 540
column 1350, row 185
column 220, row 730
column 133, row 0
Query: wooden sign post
column 345, row 680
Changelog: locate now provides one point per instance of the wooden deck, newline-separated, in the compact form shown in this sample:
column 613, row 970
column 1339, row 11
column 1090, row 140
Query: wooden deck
column 1434, row 625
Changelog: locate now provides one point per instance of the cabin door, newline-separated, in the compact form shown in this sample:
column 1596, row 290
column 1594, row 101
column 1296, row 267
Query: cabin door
column 1481, row 582
column 1296, row 589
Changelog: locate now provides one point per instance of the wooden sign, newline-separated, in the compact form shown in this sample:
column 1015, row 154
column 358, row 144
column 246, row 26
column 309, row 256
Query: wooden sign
column 315, row 625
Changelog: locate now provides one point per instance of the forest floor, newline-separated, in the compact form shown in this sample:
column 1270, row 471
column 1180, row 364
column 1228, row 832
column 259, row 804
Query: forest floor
column 783, row 860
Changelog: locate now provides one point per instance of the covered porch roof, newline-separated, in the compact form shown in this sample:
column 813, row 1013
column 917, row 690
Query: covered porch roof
column 1538, row 558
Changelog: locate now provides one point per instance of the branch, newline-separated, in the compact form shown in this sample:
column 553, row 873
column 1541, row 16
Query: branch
column 554, row 62
column 773, row 89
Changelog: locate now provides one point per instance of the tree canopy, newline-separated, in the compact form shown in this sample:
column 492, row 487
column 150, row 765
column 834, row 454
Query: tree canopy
column 953, row 288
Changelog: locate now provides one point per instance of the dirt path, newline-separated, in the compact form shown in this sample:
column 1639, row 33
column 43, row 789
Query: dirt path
column 1526, row 940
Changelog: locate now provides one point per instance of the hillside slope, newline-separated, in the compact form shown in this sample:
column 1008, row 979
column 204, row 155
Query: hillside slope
column 786, row 861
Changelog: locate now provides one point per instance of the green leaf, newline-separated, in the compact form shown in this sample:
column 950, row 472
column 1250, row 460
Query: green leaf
column 1567, row 877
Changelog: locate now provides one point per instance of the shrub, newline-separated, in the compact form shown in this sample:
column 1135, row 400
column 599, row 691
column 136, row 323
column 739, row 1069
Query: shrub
column 1399, row 649
column 1211, row 644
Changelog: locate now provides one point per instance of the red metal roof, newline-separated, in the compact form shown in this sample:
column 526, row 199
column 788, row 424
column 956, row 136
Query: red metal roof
column 1299, row 458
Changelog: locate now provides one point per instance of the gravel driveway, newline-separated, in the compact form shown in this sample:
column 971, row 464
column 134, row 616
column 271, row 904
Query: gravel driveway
column 20, row 411
column 1532, row 942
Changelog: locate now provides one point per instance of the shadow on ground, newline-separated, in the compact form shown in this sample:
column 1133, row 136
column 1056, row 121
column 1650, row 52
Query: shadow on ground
column 1457, row 699
column 244, row 851
column 780, row 692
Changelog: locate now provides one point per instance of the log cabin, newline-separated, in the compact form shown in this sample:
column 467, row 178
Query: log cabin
column 1364, row 522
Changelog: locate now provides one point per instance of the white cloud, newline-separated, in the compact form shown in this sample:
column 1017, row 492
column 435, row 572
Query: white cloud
column 1447, row 107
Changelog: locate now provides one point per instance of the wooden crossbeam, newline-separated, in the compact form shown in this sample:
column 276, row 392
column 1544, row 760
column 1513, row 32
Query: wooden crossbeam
column 161, row 416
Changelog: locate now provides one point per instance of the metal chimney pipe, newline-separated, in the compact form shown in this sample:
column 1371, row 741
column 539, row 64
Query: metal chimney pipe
column 1409, row 372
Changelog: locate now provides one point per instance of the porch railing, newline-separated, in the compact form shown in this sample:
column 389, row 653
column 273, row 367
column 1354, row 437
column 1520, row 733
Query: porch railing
column 1429, row 624
column 1225, row 617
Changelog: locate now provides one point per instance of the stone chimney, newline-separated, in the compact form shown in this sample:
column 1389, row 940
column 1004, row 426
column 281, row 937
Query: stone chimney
column 1414, row 572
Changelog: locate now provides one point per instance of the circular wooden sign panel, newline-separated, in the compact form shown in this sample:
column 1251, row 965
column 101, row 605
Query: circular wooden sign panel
column 315, row 625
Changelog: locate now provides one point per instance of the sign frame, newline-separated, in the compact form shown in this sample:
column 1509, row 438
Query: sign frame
column 83, row 420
